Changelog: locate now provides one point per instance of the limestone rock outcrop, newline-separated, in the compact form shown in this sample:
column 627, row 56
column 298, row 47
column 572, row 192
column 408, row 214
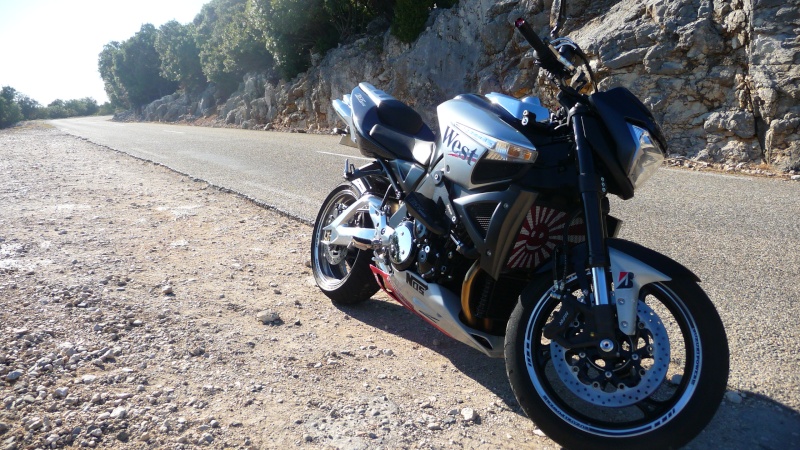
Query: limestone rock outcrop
column 721, row 76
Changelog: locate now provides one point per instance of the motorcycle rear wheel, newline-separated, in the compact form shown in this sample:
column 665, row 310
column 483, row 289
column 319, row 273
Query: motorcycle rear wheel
column 341, row 272
column 661, row 398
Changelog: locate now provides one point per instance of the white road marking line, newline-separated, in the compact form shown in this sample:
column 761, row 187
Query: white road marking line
column 174, row 132
column 346, row 156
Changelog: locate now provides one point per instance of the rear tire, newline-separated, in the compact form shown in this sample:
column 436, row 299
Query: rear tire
column 342, row 273
column 661, row 396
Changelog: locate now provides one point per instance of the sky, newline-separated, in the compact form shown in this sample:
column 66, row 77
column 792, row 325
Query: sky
column 49, row 48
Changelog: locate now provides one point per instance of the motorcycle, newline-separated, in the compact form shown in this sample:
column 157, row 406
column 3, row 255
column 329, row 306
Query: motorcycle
column 497, row 232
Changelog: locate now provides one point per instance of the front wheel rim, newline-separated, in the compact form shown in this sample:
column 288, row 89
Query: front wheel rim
column 618, row 420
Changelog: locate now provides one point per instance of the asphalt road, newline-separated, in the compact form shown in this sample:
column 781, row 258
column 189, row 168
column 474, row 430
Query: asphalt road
column 740, row 235
column 290, row 172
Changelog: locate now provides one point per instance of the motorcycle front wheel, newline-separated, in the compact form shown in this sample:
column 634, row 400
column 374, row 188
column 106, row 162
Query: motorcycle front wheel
column 662, row 389
column 341, row 272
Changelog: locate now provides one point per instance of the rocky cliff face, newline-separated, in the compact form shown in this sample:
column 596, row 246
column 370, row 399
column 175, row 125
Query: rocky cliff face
column 721, row 76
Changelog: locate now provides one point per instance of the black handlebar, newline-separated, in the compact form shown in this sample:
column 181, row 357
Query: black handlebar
column 546, row 58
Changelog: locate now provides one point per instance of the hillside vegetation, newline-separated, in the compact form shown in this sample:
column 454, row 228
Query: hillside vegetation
column 226, row 40
column 16, row 107
column 230, row 38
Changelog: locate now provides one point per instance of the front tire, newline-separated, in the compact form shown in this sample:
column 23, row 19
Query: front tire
column 661, row 395
column 341, row 272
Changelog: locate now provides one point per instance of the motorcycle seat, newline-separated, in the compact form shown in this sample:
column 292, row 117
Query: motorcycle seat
column 392, row 112
column 388, row 128
column 401, row 145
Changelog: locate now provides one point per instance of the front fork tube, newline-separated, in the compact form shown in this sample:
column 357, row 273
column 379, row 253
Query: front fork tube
column 600, row 286
column 592, row 188
column 592, row 194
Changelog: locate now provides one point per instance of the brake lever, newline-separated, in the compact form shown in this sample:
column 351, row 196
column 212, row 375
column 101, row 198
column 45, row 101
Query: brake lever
column 565, row 48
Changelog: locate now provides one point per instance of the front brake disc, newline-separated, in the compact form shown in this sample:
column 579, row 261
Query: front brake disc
column 591, row 383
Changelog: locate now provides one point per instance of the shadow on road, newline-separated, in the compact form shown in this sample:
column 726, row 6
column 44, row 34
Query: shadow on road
column 756, row 422
column 393, row 318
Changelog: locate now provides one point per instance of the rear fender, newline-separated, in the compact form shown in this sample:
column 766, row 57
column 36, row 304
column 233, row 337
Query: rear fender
column 345, row 112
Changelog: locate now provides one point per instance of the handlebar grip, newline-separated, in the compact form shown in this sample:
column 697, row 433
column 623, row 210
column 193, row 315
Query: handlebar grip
column 547, row 59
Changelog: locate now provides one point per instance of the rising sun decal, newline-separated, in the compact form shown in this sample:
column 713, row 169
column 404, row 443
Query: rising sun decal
column 541, row 232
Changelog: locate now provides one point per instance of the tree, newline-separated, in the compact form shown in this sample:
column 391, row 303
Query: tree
column 112, row 85
column 229, row 42
column 410, row 17
column 138, row 67
column 245, row 45
column 57, row 109
column 81, row 107
column 350, row 17
column 132, row 70
column 106, row 109
column 30, row 108
column 9, row 110
column 180, row 58
column 293, row 30
column 8, row 93
column 90, row 106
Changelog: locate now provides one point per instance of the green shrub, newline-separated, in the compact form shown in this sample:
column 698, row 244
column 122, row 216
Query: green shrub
column 410, row 17
column 10, row 112
column 294, row 29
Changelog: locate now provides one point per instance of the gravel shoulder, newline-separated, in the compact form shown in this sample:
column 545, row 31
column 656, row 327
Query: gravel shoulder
column 144, row 309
